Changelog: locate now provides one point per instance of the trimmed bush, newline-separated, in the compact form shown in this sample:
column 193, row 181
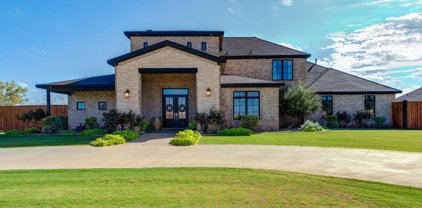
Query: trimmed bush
column 108, row 140
column 332, row 121
column 31, row 130
column 249, row 122
column 52, row 124
column 186, row 138
column 13, row 132
column 144, row 126
column 91, row 122
column 380, row 122
column 89, row 132
column 235, row 132
column 128, row 135
column 310, row 126
column 360, row 116
column 192, row 125
column 343, row 119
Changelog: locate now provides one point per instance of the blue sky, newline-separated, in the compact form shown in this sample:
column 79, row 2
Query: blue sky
column 45, row 41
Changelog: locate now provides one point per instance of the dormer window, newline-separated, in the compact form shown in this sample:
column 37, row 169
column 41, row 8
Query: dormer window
column 145, row 44
column 282, row 70
column 189, row 44
column 204, row 46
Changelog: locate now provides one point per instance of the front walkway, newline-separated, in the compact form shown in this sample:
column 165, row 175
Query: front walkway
column 395, row 167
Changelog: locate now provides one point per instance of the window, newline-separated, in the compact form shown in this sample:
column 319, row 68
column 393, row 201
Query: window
column 145, row 44
column 245, row 103
column 80, row 105
column 189, row 44
column 102, row 105
column 370, row 105
column 282, row 69
column 327, row 105
column 204, row 46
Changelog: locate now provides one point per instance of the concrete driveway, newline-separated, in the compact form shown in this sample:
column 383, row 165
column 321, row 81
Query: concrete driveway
column 394, row 167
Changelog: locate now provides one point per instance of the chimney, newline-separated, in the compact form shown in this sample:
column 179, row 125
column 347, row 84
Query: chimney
column 316, row 61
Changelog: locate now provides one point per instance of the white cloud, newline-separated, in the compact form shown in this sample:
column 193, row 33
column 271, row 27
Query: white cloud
column 419, row 2
column 290, row 46
column 23, row 84
column 230, row 10
column 287, row 2
column 395, row 43
column 373, row 2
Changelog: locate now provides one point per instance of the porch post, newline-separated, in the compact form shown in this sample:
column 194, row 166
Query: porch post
column 405, row 114
column 48, row 110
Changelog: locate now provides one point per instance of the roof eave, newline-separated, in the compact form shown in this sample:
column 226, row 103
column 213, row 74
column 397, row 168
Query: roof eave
column 265, row 56
column 232, row 85
column 357, row 92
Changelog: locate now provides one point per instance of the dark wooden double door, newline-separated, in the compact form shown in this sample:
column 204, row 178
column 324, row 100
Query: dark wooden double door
column 175, row 108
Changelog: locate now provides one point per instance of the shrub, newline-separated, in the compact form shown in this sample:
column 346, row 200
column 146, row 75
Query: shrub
column 343, row 119
column 31, row 130
column 186, row 138
column 108, row 140
column 360, row 116
column 91, row 122
column 249, row 122
column 310, row 126
column 89, row 132
column 235, row 132
column 128, row 135
column 13, row 132
column 144, row 126
column 52, row 124
column 210, row 122
column 332, row 121
column 192, row 125
column 31, row 115
column 68, row 132
column 110, row 120
column 380, row 122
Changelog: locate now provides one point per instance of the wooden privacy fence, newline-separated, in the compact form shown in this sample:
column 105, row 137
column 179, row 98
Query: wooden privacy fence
column 407, row 115
column 9, row 120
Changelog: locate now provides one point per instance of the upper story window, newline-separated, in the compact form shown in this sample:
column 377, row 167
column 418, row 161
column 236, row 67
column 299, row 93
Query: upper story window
column 327, row 105
column 189, row 44
column 80, row 105
column 245, row 103
column 282, row 69
column 145, row 44
column 102, row 105
column 204, row 46
column 369, row 103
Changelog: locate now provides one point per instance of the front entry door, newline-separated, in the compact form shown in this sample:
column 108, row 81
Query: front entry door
column 175, row 108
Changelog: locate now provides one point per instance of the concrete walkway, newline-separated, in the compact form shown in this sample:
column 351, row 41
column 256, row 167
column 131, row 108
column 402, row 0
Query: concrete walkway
column 153, row 151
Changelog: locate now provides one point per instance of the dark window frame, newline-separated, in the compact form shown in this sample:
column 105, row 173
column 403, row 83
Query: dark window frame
column 189, row 44
column 327, row 99
column 203, row 46
column 99, row 105
column 80, row 102
column 282, row 78
column 367, row 100
column 145, row 44
column 246, row 97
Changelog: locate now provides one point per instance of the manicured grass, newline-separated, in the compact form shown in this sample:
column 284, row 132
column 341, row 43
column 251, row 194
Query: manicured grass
column 43, row 140
column 402, row 140
column 194, row 187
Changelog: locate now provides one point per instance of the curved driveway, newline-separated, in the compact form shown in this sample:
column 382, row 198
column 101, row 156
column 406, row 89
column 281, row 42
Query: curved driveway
column 394, row 167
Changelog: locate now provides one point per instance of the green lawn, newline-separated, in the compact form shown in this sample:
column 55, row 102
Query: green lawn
column 402, row 140
column 44, row 140
column 194, row 187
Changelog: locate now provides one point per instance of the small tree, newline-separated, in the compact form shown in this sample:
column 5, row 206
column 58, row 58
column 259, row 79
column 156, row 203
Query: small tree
column 12, row 94
column 298, row 100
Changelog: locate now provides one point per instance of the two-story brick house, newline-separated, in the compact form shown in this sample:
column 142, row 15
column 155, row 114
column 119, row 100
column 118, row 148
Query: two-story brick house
column 174, row 74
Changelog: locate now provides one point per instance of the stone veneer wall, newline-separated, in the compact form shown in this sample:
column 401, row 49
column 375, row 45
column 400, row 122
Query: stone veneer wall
column 128, row 77
column 152, row 94
column 263, row 68
column 213, row 47
column 355, row 103
column 91, row 99
column 269, row 118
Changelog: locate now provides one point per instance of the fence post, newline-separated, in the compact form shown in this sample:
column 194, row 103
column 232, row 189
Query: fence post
column 405, row 114
column 48, row 107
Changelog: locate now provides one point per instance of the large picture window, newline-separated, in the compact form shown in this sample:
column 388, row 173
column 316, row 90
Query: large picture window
column 327, row 105
column 245, row 103
column 370, row 105
column 282, row 69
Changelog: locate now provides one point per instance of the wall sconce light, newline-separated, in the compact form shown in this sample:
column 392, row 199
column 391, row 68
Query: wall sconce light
column 127, row 93
column 208, row 93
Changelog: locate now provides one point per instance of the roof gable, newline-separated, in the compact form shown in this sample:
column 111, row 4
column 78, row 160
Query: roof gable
column 117, row 60
column 415, row 95
column 173, row 33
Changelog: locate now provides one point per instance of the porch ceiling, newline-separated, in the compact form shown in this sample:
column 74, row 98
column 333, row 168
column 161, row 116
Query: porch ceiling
column 168, row 70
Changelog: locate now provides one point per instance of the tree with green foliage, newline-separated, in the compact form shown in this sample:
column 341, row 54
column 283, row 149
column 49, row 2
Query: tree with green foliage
column 12, row 94
column 298, row 100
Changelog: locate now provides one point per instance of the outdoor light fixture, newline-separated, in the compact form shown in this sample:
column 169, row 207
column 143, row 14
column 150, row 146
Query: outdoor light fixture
column 208, row 92
column 127, row 93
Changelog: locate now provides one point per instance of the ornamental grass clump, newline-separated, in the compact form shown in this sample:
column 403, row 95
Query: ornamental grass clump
column 108, row 140
column 235, row 132
column 186, row 138
column 128, row 135
column 310, row 126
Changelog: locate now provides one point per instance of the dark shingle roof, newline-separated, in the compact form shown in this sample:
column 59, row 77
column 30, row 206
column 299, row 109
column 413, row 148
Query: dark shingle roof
column 173, row 33
column 328, row 80
column 238, row 81
column 98, row 83
column 254, row 47
column 415, row 95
